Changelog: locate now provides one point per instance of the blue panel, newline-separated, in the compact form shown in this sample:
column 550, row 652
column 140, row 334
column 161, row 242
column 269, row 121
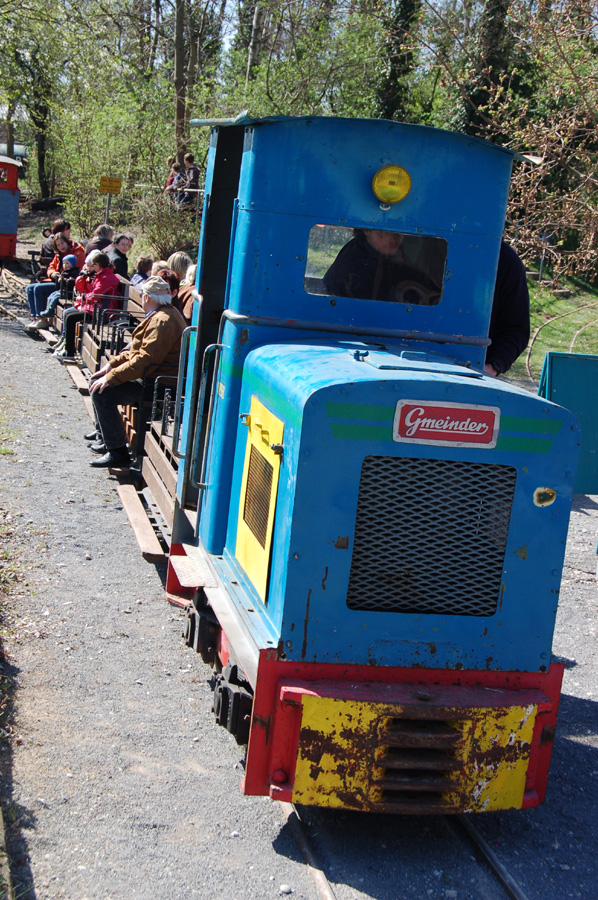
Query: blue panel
column 307, row 385
column 571, row 379
column 323, row 167
column 300, row 172
column 9, row 211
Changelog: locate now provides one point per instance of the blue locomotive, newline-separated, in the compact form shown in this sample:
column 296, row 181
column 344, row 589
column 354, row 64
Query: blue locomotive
column 368, row 530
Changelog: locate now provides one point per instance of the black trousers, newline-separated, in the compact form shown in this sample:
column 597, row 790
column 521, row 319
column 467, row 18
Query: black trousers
column 69, row 323
column 105, row 405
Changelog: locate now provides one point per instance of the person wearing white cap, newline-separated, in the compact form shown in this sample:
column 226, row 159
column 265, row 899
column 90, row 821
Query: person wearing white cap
column 153, row 351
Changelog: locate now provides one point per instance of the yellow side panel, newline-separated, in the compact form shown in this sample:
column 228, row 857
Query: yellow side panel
column 336, row 753
column 496, row 780
column 258, row 495
column 341, row 755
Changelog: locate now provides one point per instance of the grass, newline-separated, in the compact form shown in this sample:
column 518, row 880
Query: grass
column 9, row 567
column 566, row 324
column 7, row 437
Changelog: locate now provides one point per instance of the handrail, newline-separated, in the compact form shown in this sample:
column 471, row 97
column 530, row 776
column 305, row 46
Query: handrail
column 200, row 485
column 185, row 338
column 365, row 330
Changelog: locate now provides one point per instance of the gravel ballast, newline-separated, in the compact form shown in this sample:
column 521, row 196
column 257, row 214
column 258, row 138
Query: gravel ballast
column 115, row 780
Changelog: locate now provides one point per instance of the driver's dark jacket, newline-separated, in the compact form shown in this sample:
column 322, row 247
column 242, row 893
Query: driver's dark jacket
column 360, row 271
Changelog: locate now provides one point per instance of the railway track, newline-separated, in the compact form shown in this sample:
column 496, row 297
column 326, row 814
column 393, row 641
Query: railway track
column 462, row 828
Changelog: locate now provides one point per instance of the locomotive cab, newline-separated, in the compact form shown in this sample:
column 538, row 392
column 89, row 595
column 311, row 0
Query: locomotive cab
column 375, row 559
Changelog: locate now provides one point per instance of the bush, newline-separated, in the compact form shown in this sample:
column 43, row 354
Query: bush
column 166, row 228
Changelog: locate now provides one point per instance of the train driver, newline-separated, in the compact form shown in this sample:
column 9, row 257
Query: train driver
column 387, row 265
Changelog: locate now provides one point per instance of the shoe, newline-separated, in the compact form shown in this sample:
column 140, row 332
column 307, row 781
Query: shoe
column 92, row 436
column 32, row 326
column 60, row 353
column 116, row 459
column 98, row 447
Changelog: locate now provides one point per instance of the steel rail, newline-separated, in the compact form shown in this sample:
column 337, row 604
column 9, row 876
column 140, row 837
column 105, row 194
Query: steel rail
column 512, row 887
column 293, row 820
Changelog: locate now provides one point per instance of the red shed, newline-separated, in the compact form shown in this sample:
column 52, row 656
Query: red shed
column 9, row 206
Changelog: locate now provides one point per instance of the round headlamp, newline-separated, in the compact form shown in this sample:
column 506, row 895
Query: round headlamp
column 391, row 184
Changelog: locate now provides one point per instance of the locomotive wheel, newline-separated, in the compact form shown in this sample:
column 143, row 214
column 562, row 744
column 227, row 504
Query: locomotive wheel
column 206, row 639
column 233, row 702
column 190, row 627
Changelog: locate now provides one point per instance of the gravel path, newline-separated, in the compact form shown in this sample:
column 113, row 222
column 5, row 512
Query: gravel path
column 116, row 782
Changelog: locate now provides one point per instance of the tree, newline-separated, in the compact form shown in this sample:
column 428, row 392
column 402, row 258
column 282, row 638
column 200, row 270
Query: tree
column 398, row 48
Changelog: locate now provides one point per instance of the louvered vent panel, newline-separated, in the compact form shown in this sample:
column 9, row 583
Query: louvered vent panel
column 257, row 496
column 430, row 536
column 419, row 766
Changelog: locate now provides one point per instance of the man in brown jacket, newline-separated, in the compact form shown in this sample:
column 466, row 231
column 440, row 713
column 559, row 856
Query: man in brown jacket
column 154, row 350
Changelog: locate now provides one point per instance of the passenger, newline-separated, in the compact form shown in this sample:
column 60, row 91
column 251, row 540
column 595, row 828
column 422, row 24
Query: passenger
column 185, row 295
column 153, row 351
column 179, row 262
column 172, row 280
column 37, row 294
column 143, row 267
column 117, row 253
column 66, row 287
column 100, row 239
column 170, row 161
column 58, row 226
column 191, row 180
column 97, row 283
column 176, row 187
column 159, row 264
column 373, row 266
column 509, row 320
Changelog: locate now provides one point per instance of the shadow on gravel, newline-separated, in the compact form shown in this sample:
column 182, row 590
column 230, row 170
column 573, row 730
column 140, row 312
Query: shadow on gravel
column 384, row 854
column 583, row 503
column 17, row 818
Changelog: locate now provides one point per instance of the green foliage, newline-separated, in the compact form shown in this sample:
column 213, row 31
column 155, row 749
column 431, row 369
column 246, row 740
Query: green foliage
column 96, row 84
column 166, row 228
column 314, row 59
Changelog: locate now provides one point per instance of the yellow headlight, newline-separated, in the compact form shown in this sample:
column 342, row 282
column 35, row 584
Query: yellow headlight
column 391, row 184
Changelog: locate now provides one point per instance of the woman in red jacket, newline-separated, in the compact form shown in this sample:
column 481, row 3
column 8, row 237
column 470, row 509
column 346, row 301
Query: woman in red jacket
column 96, row 284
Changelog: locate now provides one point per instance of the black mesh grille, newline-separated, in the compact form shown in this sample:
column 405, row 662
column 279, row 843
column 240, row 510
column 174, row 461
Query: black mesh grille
column 430, row 536
column 257, row 495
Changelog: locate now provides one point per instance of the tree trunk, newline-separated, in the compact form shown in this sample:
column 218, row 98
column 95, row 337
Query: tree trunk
column 179, row 81
column 255, row 44
column 194, row 37
column 491, row 62
column 40, row 140
column 392, row 90
column 10, row 130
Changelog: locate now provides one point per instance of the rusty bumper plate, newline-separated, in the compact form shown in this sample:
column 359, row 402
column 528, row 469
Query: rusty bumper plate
column 404, row 748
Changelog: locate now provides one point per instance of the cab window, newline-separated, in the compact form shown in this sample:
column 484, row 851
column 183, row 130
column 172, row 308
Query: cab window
column 374, row 264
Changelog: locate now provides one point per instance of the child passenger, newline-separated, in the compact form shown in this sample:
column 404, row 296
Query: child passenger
column 143, row 267
column 66, row 287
